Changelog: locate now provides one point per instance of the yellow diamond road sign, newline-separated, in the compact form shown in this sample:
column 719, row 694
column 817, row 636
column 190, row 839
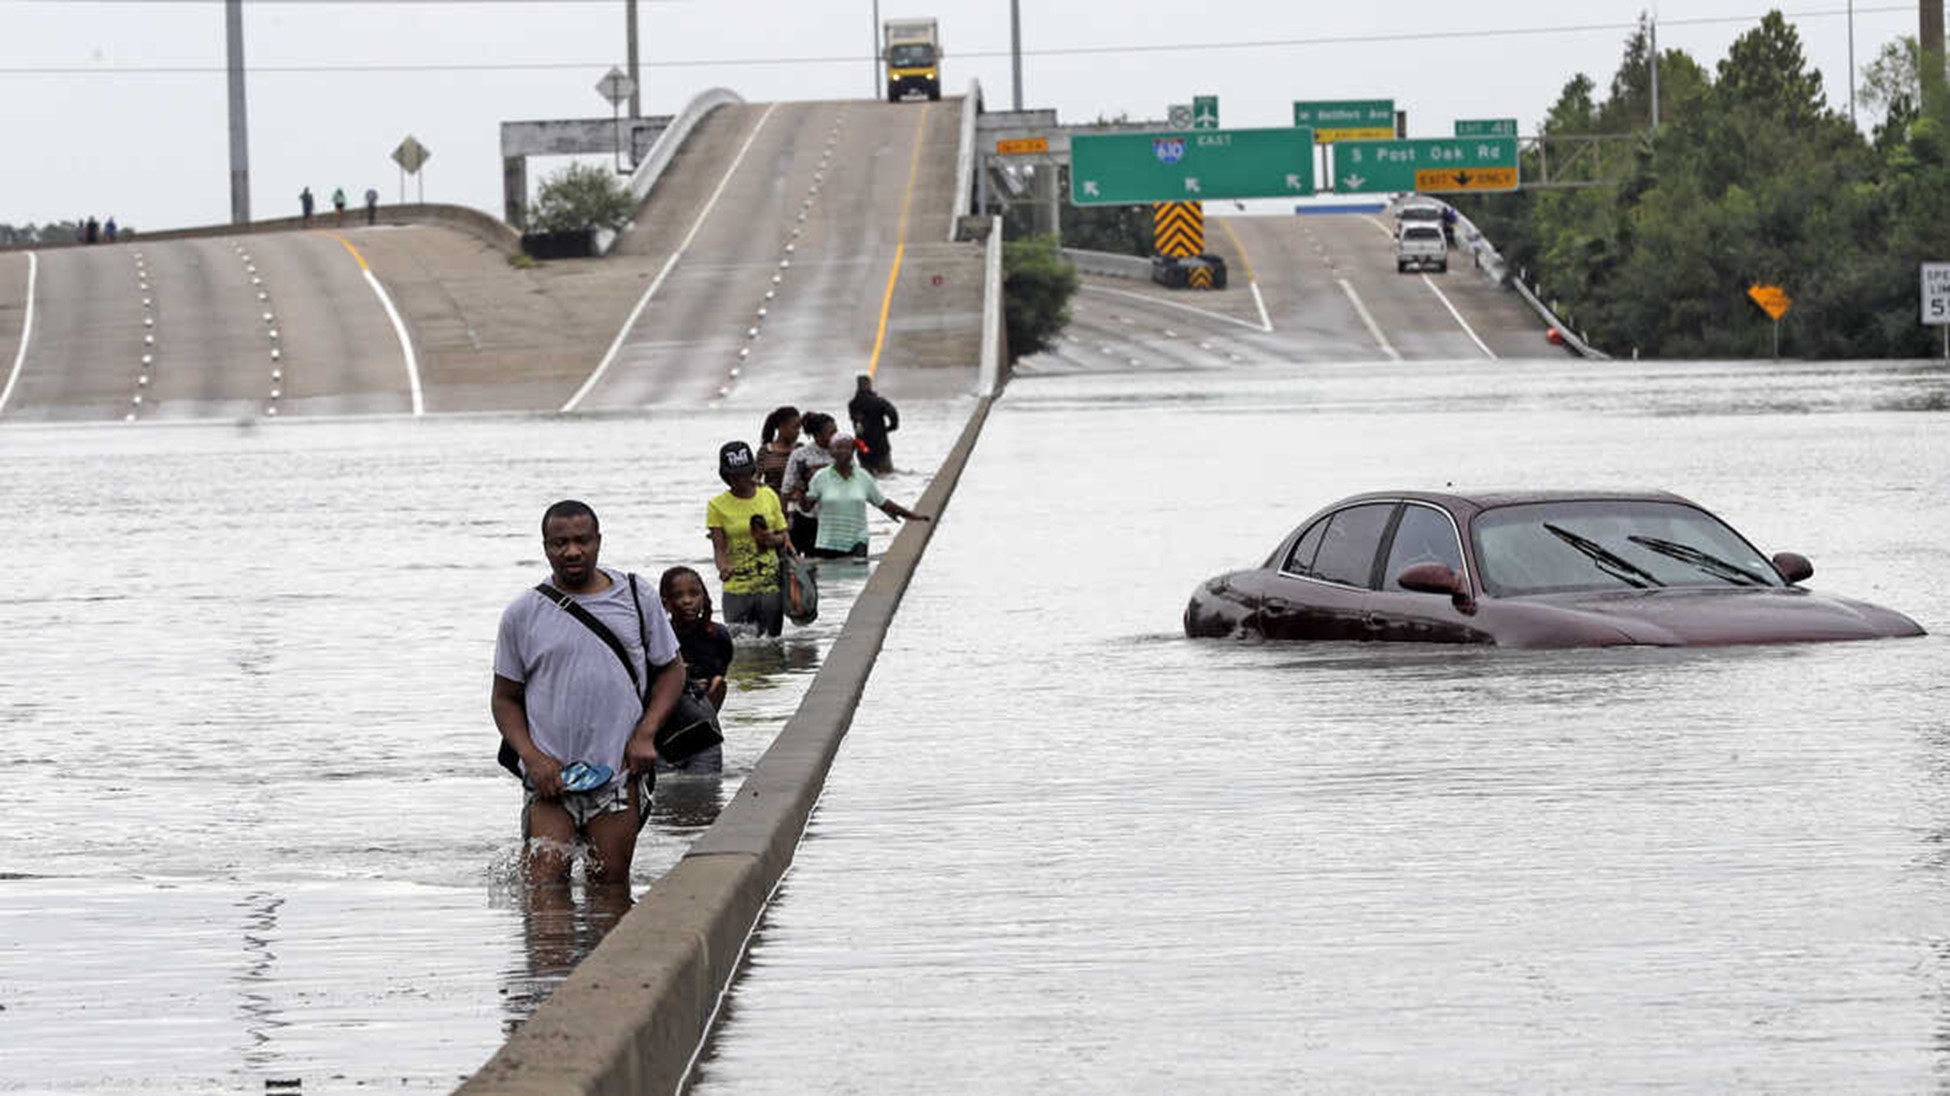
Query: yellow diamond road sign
column 1772, row 300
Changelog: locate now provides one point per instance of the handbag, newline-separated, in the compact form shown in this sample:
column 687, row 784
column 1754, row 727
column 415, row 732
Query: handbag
column 692, row 725
column 801, row 588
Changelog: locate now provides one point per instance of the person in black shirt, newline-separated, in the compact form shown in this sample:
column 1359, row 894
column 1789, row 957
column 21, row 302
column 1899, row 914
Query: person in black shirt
column 873, row 419
column 704, row 643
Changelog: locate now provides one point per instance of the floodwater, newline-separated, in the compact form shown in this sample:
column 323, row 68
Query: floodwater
column 253, row 829
column 1065, row 849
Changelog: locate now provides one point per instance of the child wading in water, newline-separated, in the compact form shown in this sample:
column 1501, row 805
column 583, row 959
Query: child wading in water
column 707, row 650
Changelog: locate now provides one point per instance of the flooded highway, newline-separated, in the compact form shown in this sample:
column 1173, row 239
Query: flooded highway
column 1064, row 848
column 255, row 831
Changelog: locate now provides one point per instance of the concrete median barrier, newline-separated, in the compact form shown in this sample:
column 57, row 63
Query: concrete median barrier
column 630, row 1018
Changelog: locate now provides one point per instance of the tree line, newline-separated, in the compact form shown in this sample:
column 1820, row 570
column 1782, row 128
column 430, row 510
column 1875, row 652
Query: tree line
column 1750, row 178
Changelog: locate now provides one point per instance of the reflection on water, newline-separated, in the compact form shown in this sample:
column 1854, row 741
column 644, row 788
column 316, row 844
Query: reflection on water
column 257, row 661
column 1097, row 856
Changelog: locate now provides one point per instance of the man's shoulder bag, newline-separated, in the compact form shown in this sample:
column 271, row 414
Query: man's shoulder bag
column 689, row 729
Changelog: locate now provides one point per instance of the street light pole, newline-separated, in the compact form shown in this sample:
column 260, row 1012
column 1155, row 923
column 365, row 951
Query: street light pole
column 875, row 53
column 1851, row 62
column 1015, row 47
column 240, row 153
column 636, row 74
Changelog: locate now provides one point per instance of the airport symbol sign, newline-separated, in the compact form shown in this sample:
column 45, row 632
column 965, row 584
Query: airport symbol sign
column 1205, row 112
column 1190, row 165
column 1438, row 165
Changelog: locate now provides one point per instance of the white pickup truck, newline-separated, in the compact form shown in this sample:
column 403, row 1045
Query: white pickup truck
column 1419, row 245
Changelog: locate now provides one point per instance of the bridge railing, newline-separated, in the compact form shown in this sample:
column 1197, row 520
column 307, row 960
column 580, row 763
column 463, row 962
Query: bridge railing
column 971, row 108
column 665, row 150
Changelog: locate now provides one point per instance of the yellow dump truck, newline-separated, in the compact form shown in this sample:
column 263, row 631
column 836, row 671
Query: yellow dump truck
column 912, row 50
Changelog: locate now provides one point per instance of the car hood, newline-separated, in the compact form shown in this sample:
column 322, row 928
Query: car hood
column 1707, row 616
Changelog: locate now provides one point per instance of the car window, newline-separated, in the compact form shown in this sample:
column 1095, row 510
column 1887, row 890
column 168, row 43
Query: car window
column 1421, row 232
column 1611, row 544
column 1300, row 561
column 1348, row 548
column 1424, row 535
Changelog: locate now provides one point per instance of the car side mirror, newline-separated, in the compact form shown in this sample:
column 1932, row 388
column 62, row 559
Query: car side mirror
column 1436, row 578
column 1793, row 567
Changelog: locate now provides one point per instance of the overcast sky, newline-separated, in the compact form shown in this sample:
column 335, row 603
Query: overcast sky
column 120, row 107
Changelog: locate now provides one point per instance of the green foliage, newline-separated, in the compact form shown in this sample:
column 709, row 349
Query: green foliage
column 580, row 197
column 1751, row 178
column 1037, row 284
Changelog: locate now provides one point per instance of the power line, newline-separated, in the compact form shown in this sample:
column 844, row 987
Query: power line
column 850, row 59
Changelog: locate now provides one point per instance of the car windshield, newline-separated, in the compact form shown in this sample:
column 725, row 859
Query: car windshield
column 1552, row 547
column 911, row 56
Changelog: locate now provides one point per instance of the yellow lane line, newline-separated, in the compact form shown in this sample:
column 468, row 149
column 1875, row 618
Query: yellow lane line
column 900, row 246
column 355, row 251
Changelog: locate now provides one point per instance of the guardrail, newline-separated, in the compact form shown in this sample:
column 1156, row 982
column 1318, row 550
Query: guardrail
column 995, row 331
column 1108, row 265
column 1490, row 261
column 971, row 107
column 670, row 140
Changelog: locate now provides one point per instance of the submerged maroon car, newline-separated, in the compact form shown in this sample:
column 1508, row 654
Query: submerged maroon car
column 1529, row 569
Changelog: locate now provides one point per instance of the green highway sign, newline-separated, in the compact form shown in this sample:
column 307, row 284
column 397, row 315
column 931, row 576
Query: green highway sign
column 1439, row 165
column 1486, row 127
column 1190, row 165
column 1205, row 112
column 1347, row 119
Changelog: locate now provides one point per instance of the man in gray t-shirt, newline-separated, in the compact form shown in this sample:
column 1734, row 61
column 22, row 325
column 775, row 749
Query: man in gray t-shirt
column 561, row 696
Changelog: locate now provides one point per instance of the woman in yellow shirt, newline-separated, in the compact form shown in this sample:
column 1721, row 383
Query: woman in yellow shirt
column 747, row 529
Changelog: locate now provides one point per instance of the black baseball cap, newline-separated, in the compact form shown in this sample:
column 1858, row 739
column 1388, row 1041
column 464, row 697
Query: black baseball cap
column 735, row 457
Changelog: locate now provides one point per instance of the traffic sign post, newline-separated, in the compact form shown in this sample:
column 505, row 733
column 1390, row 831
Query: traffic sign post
column 1347, row 119
column 616, row 87
column 1181, row 166
column 1486, row 127
column 410, row 156
column 1936, row 300
column 1439, row 165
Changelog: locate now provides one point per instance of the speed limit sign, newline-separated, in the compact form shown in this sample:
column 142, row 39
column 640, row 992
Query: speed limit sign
column 1936, row 293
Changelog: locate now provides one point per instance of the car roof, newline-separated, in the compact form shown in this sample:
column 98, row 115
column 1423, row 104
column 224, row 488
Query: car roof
column 1472, row 502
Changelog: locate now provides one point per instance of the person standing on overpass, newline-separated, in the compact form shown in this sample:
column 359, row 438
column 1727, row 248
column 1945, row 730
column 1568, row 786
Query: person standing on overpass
column 338, row 203
column 305, row 204
column 873, row 419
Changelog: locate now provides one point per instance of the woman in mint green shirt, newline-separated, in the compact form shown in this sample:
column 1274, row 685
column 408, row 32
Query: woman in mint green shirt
column 842, row 491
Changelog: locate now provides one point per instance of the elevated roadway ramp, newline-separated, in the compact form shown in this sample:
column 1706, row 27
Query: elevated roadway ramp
column 196, row 309
column 1328, row 291
column 801, row 210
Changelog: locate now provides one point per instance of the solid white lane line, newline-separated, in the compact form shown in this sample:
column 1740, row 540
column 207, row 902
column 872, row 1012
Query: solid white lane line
column 1175, row 304
column 1368, row 318
column 1265, row 321
column 399, row 325
column 405, row 342
column 1468, row 330
column 616, row 346
column 26, row 331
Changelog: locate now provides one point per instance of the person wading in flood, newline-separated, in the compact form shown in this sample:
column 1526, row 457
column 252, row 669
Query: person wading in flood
column 747, row 528
column 873, row 419
column 842, row 492
column 561, row 696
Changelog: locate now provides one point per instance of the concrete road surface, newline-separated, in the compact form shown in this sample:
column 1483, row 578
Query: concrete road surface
column 1328, row 291
column 776, row 235
column 178, row 329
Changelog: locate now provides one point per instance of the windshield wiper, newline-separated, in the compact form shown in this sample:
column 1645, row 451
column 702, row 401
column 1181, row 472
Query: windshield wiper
column 1705, row 561
column 1618, row 567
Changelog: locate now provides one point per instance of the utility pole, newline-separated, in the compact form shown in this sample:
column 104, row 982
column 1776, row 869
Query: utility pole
column 1653, row 26
column 1015, row 46
column 1851, row 62
column 878, row 90
column 636, row 74
column 240, row 153
column 1929, row 38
